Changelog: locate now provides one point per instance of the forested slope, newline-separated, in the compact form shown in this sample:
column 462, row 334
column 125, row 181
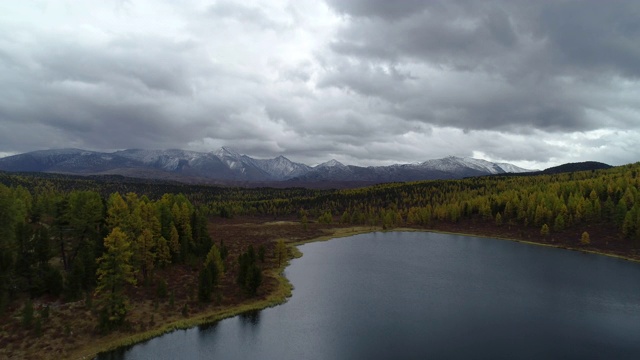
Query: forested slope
column 68, row 238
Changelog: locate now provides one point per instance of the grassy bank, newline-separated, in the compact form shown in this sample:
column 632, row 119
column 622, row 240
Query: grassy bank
column 278, row 296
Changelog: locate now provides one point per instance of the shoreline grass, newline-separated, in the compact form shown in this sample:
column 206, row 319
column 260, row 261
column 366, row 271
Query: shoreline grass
column 274, row 298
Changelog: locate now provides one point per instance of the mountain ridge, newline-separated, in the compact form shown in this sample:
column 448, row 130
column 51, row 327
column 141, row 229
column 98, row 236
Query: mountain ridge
column 227, row 165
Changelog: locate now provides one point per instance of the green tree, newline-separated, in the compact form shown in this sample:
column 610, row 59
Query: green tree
column 326, row 218
column 630, row 222
column 210, row 274
column 118, row 214
column 559, row 223
column 249, row 273
column 498, row 219
column 280, row 252
column 174, row 243
column 144, row 255
column 114, row 272
column 214, row 259
column 9, row 220
column 345, row 218
column 163, row 253
column 85, row 214
column 200, row 232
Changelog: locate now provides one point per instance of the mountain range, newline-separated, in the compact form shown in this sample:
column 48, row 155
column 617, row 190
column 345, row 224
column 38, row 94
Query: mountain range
column 228, row 166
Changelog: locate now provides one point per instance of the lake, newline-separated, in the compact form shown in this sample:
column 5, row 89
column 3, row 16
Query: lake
column 414, row 295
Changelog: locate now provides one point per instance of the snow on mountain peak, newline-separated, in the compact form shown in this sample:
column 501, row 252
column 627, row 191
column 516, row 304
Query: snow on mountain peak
column 510, row 168
column 226, row 151
column 455, row 164
column 331, row 163
column 230, row 157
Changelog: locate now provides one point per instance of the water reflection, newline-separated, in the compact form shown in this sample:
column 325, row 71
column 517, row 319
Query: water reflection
column 208, row 329
column 117, row 354
column 250, row 317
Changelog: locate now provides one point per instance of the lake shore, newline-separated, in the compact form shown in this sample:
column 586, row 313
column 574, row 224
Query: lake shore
column 278, row 288
column 285, row 289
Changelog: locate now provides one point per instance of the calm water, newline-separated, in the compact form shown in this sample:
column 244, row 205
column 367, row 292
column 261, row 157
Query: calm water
column 430, row 296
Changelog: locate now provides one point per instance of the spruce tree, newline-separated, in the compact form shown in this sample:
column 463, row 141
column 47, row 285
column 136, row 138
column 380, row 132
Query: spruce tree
column 114, row 272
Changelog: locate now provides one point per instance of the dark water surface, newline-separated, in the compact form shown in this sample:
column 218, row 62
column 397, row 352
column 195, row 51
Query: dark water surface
column 430, row 296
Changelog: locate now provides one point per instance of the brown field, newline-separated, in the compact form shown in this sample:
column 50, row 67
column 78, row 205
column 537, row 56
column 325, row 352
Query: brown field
column 70, row 331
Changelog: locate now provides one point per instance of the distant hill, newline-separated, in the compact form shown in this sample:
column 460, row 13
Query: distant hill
column 579, row 166
column 564, row 168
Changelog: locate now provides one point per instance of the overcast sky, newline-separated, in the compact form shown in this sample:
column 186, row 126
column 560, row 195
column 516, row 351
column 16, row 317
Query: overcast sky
column 367, row 82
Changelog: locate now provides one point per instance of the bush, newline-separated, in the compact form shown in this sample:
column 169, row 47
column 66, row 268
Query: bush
column 585, row 240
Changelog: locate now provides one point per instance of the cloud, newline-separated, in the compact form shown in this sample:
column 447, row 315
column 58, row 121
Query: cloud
column 501, row 65
column 365, row 82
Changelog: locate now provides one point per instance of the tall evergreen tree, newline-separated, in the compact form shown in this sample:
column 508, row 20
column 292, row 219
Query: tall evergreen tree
column 9, row 220
column 114, row 272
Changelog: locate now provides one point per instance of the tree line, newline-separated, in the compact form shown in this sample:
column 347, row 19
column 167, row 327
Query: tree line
column 69, row 237
column 559, row 201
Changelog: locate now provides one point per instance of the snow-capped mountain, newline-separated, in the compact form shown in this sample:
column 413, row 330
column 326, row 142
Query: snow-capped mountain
column 463, row 166
column 448, row 168
column 169, row 160
column 279, row 168
column 225, row 164
column 510, row 168
column 332, row 170
column 230, row 158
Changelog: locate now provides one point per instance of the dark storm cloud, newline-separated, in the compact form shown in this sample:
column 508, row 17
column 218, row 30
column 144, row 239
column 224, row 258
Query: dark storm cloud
column 593, row 35
column 527, row 50
column 378, row 8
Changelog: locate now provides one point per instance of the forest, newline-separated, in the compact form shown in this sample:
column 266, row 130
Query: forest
column 97, row 240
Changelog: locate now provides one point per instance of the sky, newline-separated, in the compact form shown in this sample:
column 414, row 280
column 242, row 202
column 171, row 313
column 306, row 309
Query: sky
column 533, row 83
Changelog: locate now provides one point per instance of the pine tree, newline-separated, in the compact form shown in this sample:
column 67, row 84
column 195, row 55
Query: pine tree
column 114, row 272
column 163, row 253
column 205, row 284
column 144, row 255
column 9, row 220
column 214, row 259
column 174, row 243
column 280, row 252
column 117, row 213
column 249, row 273
column 559, row 223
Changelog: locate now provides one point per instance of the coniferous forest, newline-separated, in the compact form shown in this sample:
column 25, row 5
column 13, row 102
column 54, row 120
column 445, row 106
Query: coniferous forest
column 109, row 243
